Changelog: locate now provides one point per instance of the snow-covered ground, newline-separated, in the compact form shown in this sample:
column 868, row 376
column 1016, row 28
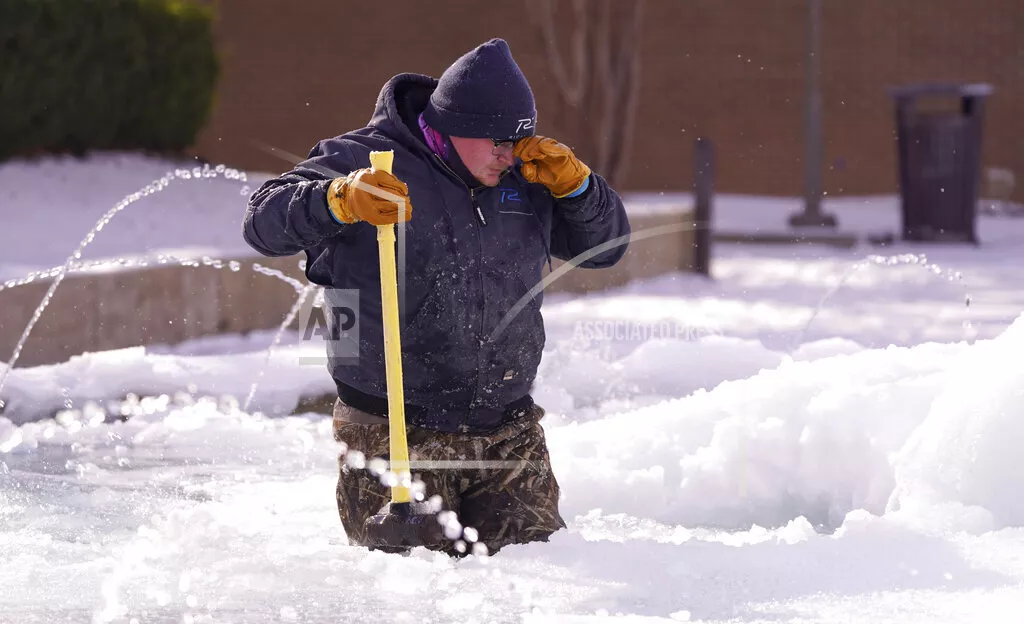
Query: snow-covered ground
column 814, row 435
column 49, row 205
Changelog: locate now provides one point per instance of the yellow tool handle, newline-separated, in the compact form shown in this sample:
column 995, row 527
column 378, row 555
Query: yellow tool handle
column 392, row 346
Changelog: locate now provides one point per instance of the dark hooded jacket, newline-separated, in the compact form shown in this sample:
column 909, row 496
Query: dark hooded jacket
column 469, row 353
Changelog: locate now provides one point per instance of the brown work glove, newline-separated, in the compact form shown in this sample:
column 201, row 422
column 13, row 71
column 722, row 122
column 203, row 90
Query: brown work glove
column 548, row 162
column 352, row 198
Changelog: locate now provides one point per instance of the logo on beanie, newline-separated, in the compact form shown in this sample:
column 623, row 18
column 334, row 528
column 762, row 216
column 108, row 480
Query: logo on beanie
column 525, row 125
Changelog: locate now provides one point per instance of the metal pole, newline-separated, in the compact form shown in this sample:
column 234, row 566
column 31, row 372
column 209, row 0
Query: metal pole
column 703, row 181
column 813, row 149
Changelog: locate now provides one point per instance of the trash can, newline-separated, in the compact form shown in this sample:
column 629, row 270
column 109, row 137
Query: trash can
column 938, row 131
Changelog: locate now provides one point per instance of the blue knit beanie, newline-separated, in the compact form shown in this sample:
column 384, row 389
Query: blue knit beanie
column 483, row 95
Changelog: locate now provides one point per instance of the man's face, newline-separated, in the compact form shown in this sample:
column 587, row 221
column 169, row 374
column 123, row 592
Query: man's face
column 485, row 160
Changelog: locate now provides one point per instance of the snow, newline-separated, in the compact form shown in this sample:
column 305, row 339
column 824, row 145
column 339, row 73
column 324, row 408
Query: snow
column 743, row 449
column 49, row 205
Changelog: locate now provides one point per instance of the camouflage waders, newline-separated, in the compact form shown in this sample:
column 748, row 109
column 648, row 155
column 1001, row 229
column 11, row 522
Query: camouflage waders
column 501, row 484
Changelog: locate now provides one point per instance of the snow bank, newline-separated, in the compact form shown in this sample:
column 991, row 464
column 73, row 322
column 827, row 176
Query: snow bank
column 289, row 372
column 587, row 379
column 840, row 481
column 968, row 449
column 807, row 438
column 877, row 430
column 718, row 432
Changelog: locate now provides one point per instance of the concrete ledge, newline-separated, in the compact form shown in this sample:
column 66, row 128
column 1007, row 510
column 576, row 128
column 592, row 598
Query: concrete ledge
column 124, row 307
column 663, row 242
column 844, row 240
column 99, row 310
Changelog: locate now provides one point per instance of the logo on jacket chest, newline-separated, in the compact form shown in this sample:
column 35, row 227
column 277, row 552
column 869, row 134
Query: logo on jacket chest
column 510, row 195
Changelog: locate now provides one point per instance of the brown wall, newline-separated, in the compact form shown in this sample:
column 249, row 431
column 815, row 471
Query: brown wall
column 731, row 70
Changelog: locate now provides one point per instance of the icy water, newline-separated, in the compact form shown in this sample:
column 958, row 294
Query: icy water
column 839, row 487
column 153, row 517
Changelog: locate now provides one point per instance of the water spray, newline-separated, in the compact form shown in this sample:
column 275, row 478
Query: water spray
column 204, row 172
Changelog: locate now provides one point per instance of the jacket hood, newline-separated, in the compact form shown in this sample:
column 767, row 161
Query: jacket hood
column 401, row 100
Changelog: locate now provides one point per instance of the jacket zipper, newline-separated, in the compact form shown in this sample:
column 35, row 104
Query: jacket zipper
column 464, row 425
column 472, row 191
column 476, row 207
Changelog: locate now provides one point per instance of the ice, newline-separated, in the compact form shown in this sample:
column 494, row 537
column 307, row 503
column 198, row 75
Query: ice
column 735, row 469
column 758, row 496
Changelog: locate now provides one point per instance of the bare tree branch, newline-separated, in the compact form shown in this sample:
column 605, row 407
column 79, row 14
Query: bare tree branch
column 579, row 50
column 570, row 80
column 598, row 79
column 628, row 90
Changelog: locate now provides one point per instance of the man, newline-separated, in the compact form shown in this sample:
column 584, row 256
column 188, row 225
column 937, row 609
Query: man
column 488, row 203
